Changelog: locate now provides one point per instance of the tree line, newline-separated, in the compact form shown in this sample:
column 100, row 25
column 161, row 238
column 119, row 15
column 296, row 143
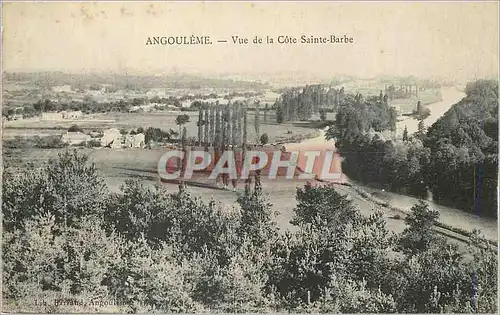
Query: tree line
column 88, row 105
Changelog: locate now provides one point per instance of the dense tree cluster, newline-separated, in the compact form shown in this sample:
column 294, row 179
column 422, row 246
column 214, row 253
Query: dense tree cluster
column 87, row 105
column 358, row 115
column 155, row 135
column 66, row 237
column 25, row 111
column 18, row 142
column 301, row 103
column 369, row 157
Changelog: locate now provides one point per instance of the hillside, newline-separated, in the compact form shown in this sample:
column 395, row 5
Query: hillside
column 463, row 144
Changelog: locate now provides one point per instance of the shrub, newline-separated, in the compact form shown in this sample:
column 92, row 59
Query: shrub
column 49, row 142
column 420, row 233
column 322, row 204
column 264, row 139
column 67, row 187
column 151, row 280
column 414, row 279
column 75, row 128
column 257, row 217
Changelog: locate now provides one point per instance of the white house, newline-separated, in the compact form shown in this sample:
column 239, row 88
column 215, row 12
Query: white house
column 139, row 140
column 111, row 138
column 135, row 141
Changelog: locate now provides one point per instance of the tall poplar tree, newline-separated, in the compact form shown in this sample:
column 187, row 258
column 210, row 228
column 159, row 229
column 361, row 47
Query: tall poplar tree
column 244, row 141
column 239, row 115
column 266, row 109
column 200, row 125
column 212, row 126
column 206, row 119
column 405, row 134
column 234, row 125
column 218, row 127
column 257, row 121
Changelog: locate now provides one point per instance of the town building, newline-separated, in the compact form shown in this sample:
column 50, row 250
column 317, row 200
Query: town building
column 135, row 141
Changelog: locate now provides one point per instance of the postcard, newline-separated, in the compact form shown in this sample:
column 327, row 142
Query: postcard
column 250, row 157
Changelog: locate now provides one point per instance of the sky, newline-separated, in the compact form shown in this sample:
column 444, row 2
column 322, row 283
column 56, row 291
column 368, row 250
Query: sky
column 456, row 40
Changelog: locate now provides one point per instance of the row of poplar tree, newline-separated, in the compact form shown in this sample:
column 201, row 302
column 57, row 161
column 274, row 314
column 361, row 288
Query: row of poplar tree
column 220, row 126
column 225, row 126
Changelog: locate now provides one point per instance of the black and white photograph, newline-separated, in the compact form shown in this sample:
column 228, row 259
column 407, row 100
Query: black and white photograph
column 249, row 157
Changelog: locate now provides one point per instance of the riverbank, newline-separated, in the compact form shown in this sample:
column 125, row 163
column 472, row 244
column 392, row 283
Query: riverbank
column 460, row 231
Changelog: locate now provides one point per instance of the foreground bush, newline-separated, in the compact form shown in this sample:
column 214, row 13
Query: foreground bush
column 70, row 246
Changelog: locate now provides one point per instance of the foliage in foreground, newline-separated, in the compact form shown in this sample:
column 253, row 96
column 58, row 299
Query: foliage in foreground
column 71, row 246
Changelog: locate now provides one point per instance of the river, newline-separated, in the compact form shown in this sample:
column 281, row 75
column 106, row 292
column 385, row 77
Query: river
column 448, row 215
column 451, row 95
